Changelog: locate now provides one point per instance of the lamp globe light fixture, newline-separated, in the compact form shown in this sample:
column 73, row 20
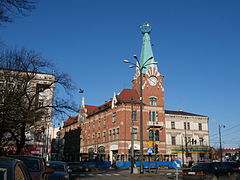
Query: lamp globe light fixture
column 146, row 28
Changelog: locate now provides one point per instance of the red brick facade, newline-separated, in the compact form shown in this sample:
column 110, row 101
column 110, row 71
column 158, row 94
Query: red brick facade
column 110, row 125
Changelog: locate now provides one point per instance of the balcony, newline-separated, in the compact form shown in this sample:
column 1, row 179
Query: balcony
column 156, row 124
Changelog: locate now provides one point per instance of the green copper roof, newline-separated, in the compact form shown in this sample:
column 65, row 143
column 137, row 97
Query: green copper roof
column 146, row 51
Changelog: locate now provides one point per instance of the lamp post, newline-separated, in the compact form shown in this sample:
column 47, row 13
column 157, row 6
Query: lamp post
column 80, row 116
column 132, row 140
column 140, row 67
column 220, row 140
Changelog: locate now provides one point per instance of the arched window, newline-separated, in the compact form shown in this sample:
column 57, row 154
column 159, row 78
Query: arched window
column 150, row 134
column 157, row 135
column 153, row 101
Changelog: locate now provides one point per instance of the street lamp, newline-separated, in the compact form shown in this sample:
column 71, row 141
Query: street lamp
column 140, row 67
column 220, row 140
column 132, row 140
column 80, row 116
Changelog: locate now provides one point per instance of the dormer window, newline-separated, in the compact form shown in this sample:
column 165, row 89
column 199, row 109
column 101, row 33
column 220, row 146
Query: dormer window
column 153, row 101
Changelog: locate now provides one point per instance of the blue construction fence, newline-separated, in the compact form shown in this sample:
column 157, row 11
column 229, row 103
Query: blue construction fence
column 127, row 164
column 146, row 164
column 100, row 165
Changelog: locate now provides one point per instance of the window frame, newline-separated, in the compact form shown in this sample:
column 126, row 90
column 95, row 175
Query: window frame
column 157, row 135
column 135, row 132
column 173, row 140
column 114, row 117
column 150, row 135
column 134, row 115
column 173, row 125
column 153, row 101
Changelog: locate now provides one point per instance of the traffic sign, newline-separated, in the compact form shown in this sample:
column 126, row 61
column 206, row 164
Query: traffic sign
column 150, row 144
column 177, row 164
column 150, row 150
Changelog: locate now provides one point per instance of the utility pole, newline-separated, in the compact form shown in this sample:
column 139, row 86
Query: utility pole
column 182, row 152
column 186, row 151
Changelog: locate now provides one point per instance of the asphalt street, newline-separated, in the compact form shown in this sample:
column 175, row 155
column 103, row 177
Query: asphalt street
column 125, row 174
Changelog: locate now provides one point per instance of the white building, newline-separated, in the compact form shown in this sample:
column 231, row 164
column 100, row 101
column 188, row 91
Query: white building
column 37, row 89
column 187, row 135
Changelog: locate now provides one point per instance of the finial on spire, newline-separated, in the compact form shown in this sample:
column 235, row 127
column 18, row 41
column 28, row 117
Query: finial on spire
column 146, row 28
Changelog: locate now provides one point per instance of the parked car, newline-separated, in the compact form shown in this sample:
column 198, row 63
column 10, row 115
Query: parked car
column 13, row 169
column 76, row 167
column 35, row 165
column 232, row 166
column 61, row 171
column 211, row 171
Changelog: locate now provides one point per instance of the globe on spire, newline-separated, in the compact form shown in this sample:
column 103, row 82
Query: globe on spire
column 146, row 28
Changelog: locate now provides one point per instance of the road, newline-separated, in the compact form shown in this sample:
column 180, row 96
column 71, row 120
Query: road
column 124, row 174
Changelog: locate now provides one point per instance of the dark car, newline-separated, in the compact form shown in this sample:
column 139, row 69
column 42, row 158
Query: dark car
column 35, row 165
column 76, row 167
column 60, row 170
column 211, row 171
column 232, row 166
column 13, row 169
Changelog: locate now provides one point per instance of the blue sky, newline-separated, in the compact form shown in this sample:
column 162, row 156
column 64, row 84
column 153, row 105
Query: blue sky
column 196, row 43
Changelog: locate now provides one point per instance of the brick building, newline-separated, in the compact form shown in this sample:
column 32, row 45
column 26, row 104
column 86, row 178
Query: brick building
column 108, row 128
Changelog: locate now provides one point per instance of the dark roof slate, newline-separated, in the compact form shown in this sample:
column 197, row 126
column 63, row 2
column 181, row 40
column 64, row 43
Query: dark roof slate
column 182, row 113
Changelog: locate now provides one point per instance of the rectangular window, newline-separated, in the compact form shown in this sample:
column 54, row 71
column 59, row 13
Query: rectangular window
column 39, row 118
column 118, row 132
column 104, row 121
column 41, row 87
column 40, row 103
column 110, row 135
column 135, row 131
column 201, row 141
column 114, row 117
column 1, row 84
column 153, row 116
column 93, row 139
column 173, row 140
column 153, row 101
column 98, row 137
column 104, row 136
column 185, row 125
column 1, row 99
column 10, row 85
column 99, row 122
column 188, row 125
column 172, row 125
column 134, row 115
column 19, row 85
column 114, row 134
column 200, row 126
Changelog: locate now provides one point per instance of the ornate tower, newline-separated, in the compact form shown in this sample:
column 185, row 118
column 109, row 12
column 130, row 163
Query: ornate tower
column 152, row 84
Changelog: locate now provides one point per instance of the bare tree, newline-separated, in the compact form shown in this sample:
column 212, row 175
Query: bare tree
column 10, row 9
column 20, row 94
